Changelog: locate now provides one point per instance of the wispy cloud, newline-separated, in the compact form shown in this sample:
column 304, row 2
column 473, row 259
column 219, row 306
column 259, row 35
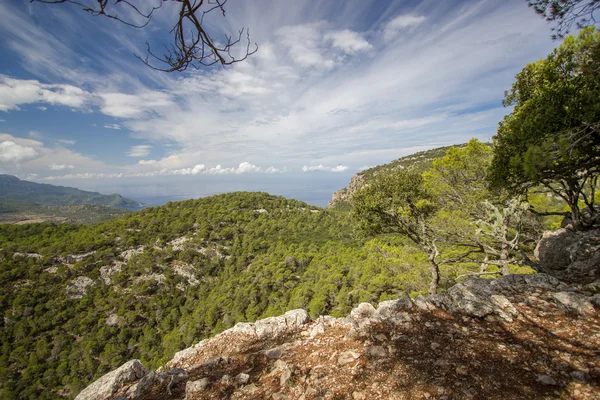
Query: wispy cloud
column 358, row 89
column 400, row 23
column 141, row 150
column 60, row 167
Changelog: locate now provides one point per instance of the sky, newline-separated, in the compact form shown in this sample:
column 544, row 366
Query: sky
column 335, row 87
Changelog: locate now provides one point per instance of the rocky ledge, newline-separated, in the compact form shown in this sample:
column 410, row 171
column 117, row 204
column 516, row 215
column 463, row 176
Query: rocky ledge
column 516, row 337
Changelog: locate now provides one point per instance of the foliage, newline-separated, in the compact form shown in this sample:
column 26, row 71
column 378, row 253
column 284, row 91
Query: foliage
column 397, row 202
column 552, row 137
column 566, row 13
column 205, row 265
column 17, row 212
column 486, row 223
column 419, row 162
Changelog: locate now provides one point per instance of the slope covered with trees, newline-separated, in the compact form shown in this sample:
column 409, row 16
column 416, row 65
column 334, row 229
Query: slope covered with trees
column 77, row 301
column 41, row 194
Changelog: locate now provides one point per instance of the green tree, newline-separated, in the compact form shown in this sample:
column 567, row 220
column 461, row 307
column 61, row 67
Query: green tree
column 397, row 202
column 552, row 137
column 485, row 223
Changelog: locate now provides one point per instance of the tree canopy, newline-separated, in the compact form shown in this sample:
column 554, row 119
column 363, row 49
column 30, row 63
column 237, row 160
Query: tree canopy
column 566, row 13
column 552, row 137
column 396, row 201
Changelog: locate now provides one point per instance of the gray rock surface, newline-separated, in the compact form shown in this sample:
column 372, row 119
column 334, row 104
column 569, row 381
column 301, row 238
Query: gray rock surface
column 78, row 287
column 193, row 387
column 273, row 326
column 107, row 385
column 571, row 256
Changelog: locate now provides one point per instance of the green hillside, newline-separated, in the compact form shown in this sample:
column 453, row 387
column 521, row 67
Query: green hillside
column 162, row 278
column 12, row 188
column 418, row 162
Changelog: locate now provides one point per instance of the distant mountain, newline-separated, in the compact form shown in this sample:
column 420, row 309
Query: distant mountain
column 12, row 188
column 420, row 162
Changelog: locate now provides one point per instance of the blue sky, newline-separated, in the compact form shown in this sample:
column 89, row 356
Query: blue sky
column 335, row 87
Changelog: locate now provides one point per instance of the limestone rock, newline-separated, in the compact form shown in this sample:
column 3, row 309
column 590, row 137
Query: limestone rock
column 166, row 379
column 193, row 387
column 571, row 256
column 376, row 351
column 390, row 308
column 273, row 326
column 107, row 385
column 242, row 379
column 78, row 287
column 364, row 314
column 546, row 380
column 574, row 302
column 347, row 357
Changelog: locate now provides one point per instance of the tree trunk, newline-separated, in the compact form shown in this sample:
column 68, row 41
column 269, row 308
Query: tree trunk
column 435, row 277
column 504, row 267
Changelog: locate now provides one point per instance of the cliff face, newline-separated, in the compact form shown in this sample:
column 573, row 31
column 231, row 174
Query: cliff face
column 420, row 161
column 519, row 336
column 344, row 195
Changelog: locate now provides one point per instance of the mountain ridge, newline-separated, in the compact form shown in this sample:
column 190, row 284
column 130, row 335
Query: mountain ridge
column 419, row 161
column 13, row 188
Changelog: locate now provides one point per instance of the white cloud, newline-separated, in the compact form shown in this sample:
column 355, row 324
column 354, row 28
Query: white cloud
column 401, row 22
column 305, row 47
column 67, row 142
column 121, row 105
column 141, row 150
column 12, row 153
column 16, row 92
column 198, row 168
column 322, row 168
column 348, row 41
column 32, row 156
column 315, row 93
column 112, row 126
column 59, row 167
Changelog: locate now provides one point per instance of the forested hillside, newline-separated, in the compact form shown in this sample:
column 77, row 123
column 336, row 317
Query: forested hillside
column 419, row 162
column 84, row 299
column 13, row 188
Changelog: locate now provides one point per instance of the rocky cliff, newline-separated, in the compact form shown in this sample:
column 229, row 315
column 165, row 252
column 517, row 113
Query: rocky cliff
column 420, row 161
column 516, row 337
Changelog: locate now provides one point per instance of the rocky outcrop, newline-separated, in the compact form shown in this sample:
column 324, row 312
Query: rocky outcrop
column 571, row 256
column 78, row 287
column 344, row 195
column 518, row 336
column 109, row 384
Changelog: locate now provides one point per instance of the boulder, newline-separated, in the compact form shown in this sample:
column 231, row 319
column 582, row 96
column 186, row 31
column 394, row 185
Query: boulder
column 571, row 256
column 574, row 302
column 106, row 386
column 389, row 308
column 364, row 314
column 273, row 326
